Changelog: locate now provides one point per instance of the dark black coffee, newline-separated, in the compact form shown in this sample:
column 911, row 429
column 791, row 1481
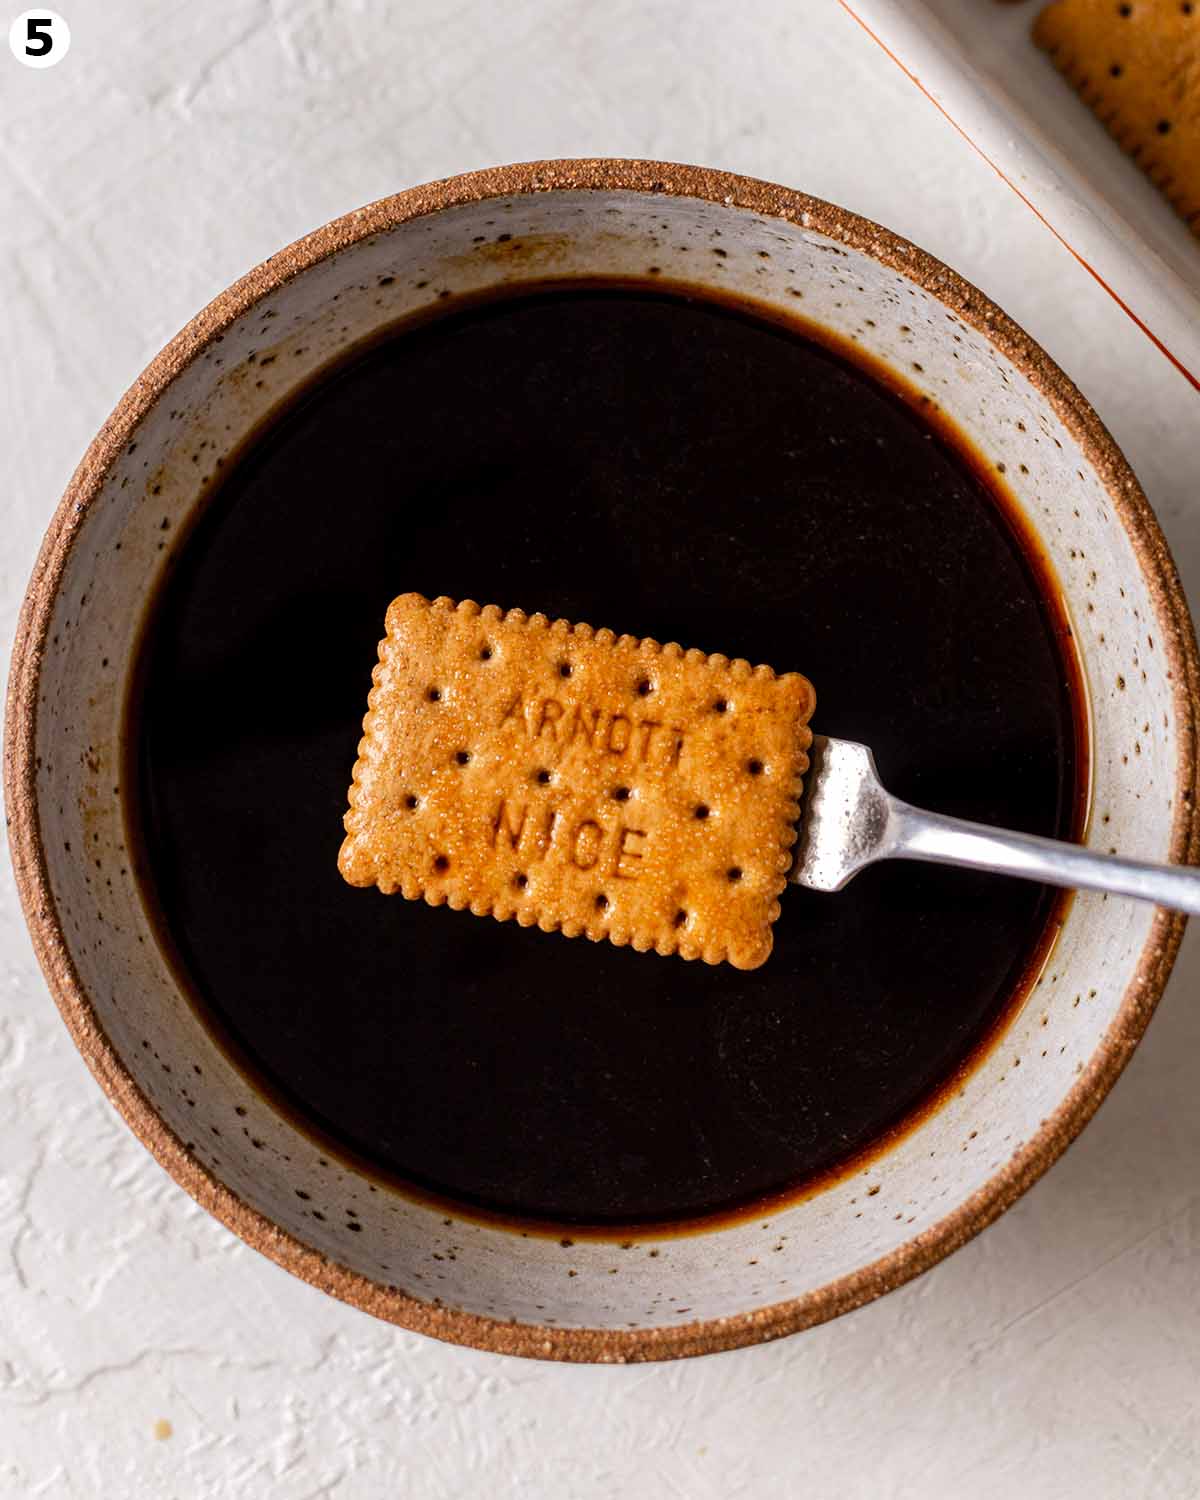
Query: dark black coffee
column 669, row 467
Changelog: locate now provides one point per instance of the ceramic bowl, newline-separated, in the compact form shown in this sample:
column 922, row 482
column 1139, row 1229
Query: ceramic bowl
column 415, row 1264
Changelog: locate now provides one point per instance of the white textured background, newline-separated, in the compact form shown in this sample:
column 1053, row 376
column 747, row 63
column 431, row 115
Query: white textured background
column 144, row 1351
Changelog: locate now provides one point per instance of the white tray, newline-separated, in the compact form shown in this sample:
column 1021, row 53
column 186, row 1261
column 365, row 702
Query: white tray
column 975, row 62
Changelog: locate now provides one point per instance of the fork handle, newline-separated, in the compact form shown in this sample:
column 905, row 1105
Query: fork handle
column 953, row 841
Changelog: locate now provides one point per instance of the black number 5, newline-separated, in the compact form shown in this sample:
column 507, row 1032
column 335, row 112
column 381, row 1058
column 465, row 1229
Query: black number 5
column 37, row 29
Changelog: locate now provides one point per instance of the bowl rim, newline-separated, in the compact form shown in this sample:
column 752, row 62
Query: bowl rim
column 52, row 946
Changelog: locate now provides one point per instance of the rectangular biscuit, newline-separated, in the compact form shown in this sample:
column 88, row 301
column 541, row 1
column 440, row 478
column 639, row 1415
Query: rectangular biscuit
column 1137, row 64
column 582, row 781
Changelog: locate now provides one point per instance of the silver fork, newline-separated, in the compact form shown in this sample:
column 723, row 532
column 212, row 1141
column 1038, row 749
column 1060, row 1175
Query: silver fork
column 849, row 821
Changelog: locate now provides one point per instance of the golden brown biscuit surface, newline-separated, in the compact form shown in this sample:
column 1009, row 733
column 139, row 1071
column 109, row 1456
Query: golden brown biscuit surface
column 1137, row 64
column 582, row 781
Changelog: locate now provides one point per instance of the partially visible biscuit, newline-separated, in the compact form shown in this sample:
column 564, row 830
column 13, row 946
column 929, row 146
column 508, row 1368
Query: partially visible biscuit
column 580, row 781
column 1137, row 64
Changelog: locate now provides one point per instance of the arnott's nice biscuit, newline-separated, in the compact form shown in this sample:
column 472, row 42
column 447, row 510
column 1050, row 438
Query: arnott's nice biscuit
column 1137, row 63
column 585, row 782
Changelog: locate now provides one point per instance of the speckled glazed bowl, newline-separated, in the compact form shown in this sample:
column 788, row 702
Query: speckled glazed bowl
column 424, row 1267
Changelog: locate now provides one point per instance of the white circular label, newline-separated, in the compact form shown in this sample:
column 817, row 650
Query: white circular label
column 39, row 38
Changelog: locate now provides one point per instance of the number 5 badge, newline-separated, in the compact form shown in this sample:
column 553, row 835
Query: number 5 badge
column 39, row 38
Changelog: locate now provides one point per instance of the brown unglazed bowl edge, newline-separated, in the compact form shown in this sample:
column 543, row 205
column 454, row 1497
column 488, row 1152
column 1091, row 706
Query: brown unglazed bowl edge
column 50, row 944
